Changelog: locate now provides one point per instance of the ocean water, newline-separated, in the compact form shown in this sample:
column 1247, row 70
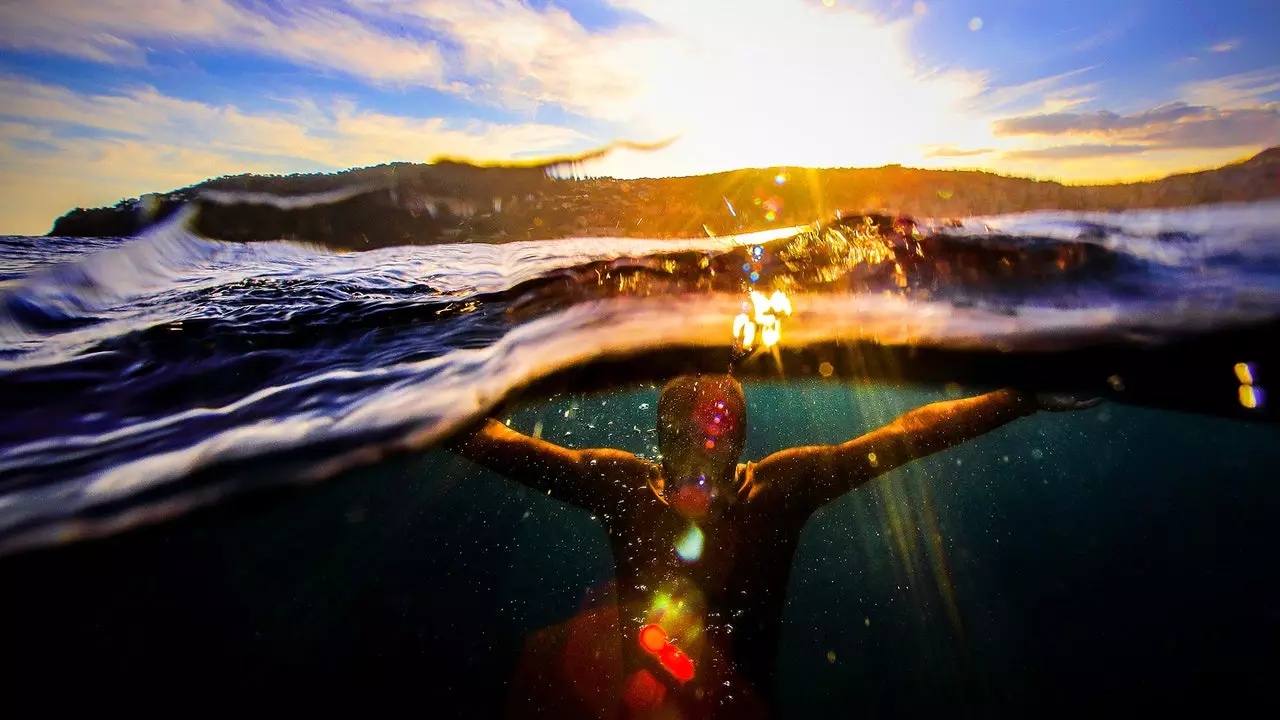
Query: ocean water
column 218, row 463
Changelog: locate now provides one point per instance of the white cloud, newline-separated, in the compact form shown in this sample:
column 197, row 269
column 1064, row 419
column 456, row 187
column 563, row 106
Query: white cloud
column 742, row 82
column 1074, row 152
column 786, row 82
column 520, row 57
column 502, row 51
column 143, row 141
column 123, row 32
column 1103, row 122
column 1224, row 46
column 949, row 151
column 1047, row 94
column 1094, row 145
column 1238, row 90
column 1121, row 166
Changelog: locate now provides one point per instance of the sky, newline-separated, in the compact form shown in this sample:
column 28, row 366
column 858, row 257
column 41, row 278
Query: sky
column 110, row 99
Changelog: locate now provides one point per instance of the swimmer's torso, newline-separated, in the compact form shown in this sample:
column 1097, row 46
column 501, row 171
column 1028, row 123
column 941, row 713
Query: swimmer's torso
column 717, row 590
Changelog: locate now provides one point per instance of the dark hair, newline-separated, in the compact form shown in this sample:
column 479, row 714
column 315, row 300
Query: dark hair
column 701, row 418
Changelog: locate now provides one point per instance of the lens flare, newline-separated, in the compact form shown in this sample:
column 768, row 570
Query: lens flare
column 644, row 692
column 780, row 303
column 770, row 336
column 692, row 501
column 744, row 330
column 689, row 547
column 1251, row 397
column 766, row 317
column 1244, row 373
column 677, row 663
column 653, row 638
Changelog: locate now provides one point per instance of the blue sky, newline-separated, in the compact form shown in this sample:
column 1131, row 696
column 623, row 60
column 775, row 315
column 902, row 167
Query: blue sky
column 116, row 98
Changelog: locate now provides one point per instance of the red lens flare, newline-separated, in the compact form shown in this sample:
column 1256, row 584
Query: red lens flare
column 676, row 663
column 653, row 638
column 644, row 692
column 712, row 417
column 655, row 641
column 692, row 501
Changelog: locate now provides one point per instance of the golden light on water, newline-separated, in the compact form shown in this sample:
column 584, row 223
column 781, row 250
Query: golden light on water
column 1244, row 373
column 744, row 331
column 1250, row 396
column 765, row 317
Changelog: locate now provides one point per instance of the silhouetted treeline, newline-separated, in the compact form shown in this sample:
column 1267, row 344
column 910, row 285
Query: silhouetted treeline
column 405, row 203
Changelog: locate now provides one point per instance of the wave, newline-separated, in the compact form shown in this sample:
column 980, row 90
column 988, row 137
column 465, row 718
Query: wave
column 1245, row 232
column 283, row 202
column 167, row 371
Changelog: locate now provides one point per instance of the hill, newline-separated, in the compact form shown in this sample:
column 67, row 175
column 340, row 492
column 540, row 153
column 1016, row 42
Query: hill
column 406, row 203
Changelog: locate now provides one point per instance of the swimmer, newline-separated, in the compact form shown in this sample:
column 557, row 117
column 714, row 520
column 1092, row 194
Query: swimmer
column 703, row 544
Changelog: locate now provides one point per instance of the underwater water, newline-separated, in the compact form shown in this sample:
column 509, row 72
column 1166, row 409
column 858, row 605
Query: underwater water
column 189, row 497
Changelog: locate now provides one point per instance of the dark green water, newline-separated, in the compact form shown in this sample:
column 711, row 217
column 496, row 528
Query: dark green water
column 1110, row 558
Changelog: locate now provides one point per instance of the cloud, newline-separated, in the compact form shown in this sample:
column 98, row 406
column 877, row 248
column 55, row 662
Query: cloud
column 671, row 67
column 1224, row 129
column 1047, row 94
column 1241, row 89
column 1074, row 152
column 1103, row 122
column 789, row 82
column 124, row 32
column 842, row 87
column 696, row 70
column 1177, row 125
column 1225, row 46
column 510, row 53
column 98, row 148
column 950, row 151
column 501, row 51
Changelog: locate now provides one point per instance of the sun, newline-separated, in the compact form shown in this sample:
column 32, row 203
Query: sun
column 790, row 84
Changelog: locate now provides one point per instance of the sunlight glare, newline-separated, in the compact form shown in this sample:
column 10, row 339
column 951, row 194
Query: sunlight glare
column 841, row 88
column 767, row 312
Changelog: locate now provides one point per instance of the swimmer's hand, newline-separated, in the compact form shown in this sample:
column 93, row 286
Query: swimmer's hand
column 1064, row 402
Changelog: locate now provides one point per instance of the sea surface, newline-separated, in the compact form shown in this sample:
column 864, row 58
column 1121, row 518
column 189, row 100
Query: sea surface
column 224, row 453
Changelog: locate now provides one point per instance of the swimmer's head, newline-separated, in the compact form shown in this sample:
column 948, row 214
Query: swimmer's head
column 702, row 427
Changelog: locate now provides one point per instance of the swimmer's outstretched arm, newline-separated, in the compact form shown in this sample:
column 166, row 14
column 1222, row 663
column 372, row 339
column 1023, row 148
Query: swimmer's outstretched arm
column 595, row 479
column 815, row 475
